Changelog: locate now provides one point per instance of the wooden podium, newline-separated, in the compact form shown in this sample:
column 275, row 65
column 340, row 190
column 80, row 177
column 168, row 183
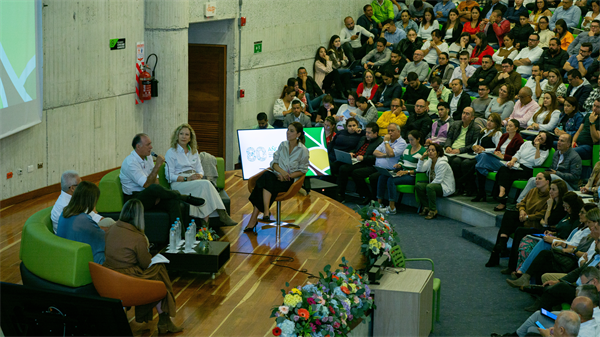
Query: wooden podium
column 404, row 303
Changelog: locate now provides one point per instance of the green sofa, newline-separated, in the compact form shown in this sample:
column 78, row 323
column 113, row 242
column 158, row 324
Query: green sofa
column 51, row 262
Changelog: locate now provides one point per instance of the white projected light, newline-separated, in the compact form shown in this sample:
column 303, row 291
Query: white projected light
column 20, row 65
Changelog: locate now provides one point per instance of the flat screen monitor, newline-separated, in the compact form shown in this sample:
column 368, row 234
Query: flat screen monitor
column 258, row 145
column 28, row 311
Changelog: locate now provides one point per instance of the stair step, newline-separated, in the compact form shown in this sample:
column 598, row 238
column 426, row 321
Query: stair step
column 483, row 236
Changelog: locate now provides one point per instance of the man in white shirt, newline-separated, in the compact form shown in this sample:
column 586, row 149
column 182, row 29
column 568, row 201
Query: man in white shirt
column 528, row 56
column 139, row 180
column 535, row 81
column 350, row 37
column 68, row 183
column 464, row 71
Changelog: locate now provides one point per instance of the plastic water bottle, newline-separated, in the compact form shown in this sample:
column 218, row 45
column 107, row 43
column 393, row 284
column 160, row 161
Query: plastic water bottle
column 194, row 229
column 181, row 228
column 177, row 233
column 188, row 239
column 173, row 240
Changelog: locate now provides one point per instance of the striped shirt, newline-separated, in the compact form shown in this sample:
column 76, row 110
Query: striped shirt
column 409, row 161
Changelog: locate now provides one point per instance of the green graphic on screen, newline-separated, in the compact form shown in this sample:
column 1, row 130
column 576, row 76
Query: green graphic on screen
column 317, row 149
column 17, row 52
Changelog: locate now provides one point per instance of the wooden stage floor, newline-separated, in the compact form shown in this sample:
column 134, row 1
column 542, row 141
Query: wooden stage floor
column 238, row 301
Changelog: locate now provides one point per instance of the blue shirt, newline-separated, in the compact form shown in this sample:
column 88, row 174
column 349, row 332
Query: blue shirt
column 445, row 9
column 587, row 62
column 82, row 228
column 394, row 38
column 487, row 16
column 388, row 163
column 571, row 16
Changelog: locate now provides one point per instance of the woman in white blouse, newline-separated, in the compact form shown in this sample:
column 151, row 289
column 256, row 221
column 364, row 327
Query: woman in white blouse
column 544, row 32
column 283, row 105
column 546, row 118
column 428, row 25
column 290, row 162
column 183, row 170
column 592, row 15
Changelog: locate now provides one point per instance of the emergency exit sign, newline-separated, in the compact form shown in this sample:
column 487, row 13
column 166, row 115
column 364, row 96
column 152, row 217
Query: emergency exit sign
column 257, row 47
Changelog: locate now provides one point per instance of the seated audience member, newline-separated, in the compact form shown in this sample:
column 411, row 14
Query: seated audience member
column 546, row 118
column 581, row 61
column 488, row 161
column 418, row 9
column 506, row 52
column 344, row 111
column 503, row 105
column 541, row 10
column 433, row 48
column 336, row 54
column 298, row 116
column 394, row 66
column 311, row 89
column 521, row 32
column 351, row 39
column 388, row 90
column 329, row 128
column 184, row 171
column 528, row 56
column 328, row 78
column 415, row 90
column 588, row 133
column 289, row 163
column 530, row 211
column 427, row 26
column 442, row 69
column 452, row 29
column 472, row 26
column 481, row 50
column 366, row 113
column 405, row 174
column 553, row 58
column 292, row 81
column 529, row 155
column 283, row 105
column 566, row 165
column 262, row 121
column 440, row 181
column 524, row 108
column 534, row 82
column 392, row 34
column 367, row 88
column 591, row 39
column 570, row 119
column 442, row 11
column 69, row 181
column 512, row 14
column 378, row 56
column 464, row 70
column 483, row 75
column 464, row 10
column 418, row 120
column 492, row 6
column 439, row 93
column 394, row 115
column 545, row 34
column 495, row 29
column 327, row 109
column 418, row 66
column 589, row 102
column 439, row 128
column 508, row 75
column 567, row 12
column 460, row 45
column 362, row 151
column 461, row 137
column 592, row 15
column 553, row 84
column 139, row 180
column 406, row 23
column 387, row 154
column 76, row 223
column 459, row 100
column 367, row 22
column 563, row 34
column 579, row 87
column 127, row 252
column 345, row 139
column 407, row 47
column 591, row 187
column 382, row 10
column 480, row 104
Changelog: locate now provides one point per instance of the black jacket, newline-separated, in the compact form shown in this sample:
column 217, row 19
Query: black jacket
column 548, row 61
column 487, row 76
column 323, row 112
column 343, row 141
column 411, row 96
column 371, row 26
column 463, row 102
column 312, row 88
column 407, row 49
column 581, row 94
column 418, row 122
column 455, row 33
column 521, row 34
column 488, row 7
column 369, row 158
column 473, row 132
column 392, row 91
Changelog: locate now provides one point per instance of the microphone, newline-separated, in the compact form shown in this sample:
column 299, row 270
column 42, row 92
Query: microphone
column 153, row 154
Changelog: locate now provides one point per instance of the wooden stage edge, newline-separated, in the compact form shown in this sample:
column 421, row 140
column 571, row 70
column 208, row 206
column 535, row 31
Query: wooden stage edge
column 239, row 300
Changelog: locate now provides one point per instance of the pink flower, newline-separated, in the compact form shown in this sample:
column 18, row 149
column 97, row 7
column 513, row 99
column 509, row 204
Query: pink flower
column 373, row 235
column 318, row 322
column 336, row 325
column 321, row 300
column 310, row 300
column 356, row 300
column 284, row 309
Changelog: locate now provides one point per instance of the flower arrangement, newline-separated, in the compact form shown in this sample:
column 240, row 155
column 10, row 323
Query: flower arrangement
column 206, row 234
column 377, row 236
column 326, row 308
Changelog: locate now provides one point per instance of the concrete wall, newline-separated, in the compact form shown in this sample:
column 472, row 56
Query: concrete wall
column 89, row 113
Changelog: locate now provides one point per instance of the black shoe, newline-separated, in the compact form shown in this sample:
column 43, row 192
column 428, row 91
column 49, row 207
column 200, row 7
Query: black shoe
column 494, row 257
column 194, row 201
column 478, row 199
column 251, row 229
column 533, row 290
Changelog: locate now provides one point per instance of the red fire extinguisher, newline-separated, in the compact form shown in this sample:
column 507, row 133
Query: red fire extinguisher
column 145, row 85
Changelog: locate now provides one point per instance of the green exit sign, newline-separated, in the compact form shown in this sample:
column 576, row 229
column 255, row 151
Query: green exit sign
column 257, row 47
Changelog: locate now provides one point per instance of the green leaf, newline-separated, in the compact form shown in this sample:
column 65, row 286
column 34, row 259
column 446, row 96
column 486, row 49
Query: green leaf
column 280, row 319
column 287, row 284
column 327, row 268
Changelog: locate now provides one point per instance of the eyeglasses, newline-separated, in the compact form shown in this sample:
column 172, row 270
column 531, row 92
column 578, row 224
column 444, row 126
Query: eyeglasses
column 532, row 40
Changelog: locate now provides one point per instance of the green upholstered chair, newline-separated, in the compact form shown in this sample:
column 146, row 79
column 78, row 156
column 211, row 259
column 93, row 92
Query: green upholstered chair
column 399, row 261
column 520, row 184
column 523, row 82
column 595, row 157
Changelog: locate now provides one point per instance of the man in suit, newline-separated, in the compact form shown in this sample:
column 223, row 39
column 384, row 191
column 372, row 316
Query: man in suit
column 297, row 116
column 579, row 87
column 488, row 10
column 461, row 137
column 459, row 99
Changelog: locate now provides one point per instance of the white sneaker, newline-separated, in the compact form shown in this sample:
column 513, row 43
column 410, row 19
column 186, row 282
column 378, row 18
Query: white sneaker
column 388, row 210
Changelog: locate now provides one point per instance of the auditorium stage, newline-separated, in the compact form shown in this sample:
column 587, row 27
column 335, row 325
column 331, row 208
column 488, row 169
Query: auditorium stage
column 238, row 301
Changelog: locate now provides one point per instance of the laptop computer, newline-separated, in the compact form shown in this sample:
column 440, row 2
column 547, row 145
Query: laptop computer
column 385, row 172
column 345, row 157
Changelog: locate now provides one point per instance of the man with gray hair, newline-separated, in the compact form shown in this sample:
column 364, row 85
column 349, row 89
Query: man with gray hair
column 566, row 325
column 68, row 183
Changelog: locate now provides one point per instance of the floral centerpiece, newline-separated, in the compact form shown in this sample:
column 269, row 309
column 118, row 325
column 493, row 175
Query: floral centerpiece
column 377, row 236
column 206, row 234
column 326, row 308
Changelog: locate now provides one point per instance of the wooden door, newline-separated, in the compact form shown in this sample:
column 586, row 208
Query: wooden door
column 206, row 97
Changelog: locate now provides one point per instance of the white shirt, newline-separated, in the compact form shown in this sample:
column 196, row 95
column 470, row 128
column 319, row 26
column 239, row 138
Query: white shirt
column 526, row 155
column 540, row 120
column 178, row 161
column 60, row 204
column 346, row 34
column 575, row 236
column 590, row 254
column 532, row 54
column 296, row 161
column 398, row 146
column 588, row 329
column 457, row 73
column 425, row 34
column 134, row 172
column 531, row 85
column 454, row 102
column 432, row 56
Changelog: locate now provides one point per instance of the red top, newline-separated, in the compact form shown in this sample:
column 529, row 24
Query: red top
column 359, row 90
column 467, row 28
column 513, row 146
column 488, row 51
column 329, row 138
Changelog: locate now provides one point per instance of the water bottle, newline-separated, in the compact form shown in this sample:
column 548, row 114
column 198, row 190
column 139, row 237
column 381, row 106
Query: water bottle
column 188, row 239
column 177, row 231
column 172, row 240
column 181, row 228
column 194, row 229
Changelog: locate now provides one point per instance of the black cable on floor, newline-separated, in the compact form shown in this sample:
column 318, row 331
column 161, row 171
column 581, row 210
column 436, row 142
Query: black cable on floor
column 283, row 259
